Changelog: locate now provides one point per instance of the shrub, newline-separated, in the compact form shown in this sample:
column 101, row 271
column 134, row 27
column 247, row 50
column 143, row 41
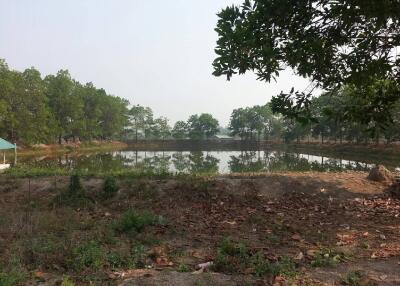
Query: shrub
column 327, row 257
column 67, row 282
column 110, row 187
column 11, row 278
column 352, row 278
column 134, row 221
column 183, row 268
column 74, row 196
column 234, row 258
column 88, row 255
column 75, row 187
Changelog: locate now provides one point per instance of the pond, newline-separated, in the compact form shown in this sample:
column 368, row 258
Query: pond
column 222, row 162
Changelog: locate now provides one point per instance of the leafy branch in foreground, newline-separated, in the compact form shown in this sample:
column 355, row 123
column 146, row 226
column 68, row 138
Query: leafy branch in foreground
column 333, row 43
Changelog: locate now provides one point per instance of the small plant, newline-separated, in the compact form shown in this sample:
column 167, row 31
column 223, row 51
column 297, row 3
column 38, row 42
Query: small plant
column 234, row 258
column 183, row 268
column 135, row 221
column 110, row 187
column 88, row 255
column 74, row 196
column 352, row 278
column 11, row 278
column 327, row 257
column 139, row 255
column 75, row 187
column 117, row 260
column 67, row 282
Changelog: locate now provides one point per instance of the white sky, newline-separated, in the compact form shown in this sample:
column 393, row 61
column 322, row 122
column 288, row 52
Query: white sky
column 155, row 53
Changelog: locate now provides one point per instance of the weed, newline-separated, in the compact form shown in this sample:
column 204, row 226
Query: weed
column 262, row 266
column 233, row 258
column 117, row 260
column 110, row 187
column 67, row 282
column 136, row 222
column 74, row 196
column 183, row 268
column 75, row 187
column 352, row 278
column 139, row 256
column 13, row 277
column 88, row 255
column 327, row 257
column 272, row 238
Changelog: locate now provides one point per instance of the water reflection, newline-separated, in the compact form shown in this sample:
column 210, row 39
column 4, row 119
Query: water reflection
column 198, row 162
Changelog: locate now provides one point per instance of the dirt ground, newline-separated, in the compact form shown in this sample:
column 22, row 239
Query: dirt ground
column 333, row 228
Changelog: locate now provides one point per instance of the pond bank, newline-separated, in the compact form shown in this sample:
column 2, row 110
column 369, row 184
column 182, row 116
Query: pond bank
column 301, row 228
column 43, row 149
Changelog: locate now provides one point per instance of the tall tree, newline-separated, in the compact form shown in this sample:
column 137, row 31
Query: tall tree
column 141, row 118
column 203, row 126
column 180, row 130
column 64, row 102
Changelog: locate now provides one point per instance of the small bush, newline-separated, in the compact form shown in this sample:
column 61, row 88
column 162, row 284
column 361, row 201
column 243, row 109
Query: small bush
column 183, row 268
column 75, row 187
column 11, row 278
column 327, row 258
column 117, row 260
column 67, row 282
column 134, row 221
column 235, row 258
column 352, row 278
column 75, row 195
column 139, row 256
column 110, row 187
column 88, row 255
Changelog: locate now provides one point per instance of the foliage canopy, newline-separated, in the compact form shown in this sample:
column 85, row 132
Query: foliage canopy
column 333, row 43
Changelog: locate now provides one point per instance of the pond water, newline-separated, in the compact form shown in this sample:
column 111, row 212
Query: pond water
column 202, row 161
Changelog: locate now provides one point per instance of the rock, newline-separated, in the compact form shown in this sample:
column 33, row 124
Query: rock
column 380, row 174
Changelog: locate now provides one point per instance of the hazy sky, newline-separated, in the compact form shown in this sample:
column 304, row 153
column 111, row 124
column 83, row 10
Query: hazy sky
column 156, row 53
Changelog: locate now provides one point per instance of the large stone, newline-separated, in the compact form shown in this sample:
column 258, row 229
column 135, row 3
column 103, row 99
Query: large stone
column 380, row 174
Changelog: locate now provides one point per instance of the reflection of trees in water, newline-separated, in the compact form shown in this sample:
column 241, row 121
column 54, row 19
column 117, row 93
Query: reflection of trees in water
column 248, row 162
column 282, row 161
column 195, row 162
column 155, row 164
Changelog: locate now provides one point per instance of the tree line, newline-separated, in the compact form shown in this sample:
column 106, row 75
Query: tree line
column 55, row 108
column 330, row 120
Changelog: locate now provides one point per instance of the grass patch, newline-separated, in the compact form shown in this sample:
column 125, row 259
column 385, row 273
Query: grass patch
column 74, row 196
column 184, row 268
column 67, row 282
column 353, row 278
column 133, row 221
column 328, row 258
column 235, row 258
column 88, row 255
column 110, row 187
column 12, row 278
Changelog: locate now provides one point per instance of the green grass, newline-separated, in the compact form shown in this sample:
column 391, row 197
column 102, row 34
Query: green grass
column 67, row 282
column 235, row 258
column 110, row 187
column 88, row 255
column 328, row 258
column 133, row 221
column 352, row 278
column 26, row 171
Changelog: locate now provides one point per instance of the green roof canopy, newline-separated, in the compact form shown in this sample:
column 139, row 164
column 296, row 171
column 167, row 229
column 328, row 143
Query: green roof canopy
column 6, row 145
